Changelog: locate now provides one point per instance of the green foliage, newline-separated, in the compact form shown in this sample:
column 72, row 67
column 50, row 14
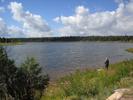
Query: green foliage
column 4, row 40
column 70, row 38
column 21, row 83
column 37, row 80
column 93, row 84
column 126, row 82
column 7, row 70
column 130, row 50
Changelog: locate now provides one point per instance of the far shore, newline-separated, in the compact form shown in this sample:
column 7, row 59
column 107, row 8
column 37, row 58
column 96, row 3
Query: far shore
column 11, row 43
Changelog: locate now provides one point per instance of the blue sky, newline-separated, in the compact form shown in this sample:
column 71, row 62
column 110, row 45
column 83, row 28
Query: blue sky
column 51, row 9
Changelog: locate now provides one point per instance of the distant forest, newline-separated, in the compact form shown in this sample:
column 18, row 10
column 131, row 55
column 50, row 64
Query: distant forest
column 69, row 39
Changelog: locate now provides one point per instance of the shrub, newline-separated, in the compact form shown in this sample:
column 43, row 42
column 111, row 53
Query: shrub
column 24, row 83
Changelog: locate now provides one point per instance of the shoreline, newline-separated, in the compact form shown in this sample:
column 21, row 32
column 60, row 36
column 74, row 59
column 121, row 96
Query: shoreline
column 130, row 50
column 63, row 74
column 10, row 44
column 91, row 84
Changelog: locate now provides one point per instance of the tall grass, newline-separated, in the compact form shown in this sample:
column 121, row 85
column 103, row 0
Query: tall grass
column 96, row 84
column 130, row 50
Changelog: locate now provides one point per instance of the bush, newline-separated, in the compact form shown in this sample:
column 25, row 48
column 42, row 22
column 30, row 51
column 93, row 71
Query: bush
column 21, row 83
column 38, row 81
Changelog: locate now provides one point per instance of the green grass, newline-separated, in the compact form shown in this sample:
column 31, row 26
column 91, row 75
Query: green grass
column 130, row 50
column 10, row 43
column 94, row 84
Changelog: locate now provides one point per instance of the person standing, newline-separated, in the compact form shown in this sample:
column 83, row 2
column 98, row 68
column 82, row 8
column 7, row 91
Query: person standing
column 106, row 63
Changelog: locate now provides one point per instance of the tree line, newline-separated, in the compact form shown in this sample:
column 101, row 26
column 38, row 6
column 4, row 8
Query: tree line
column 70, row 38
column 5, row 40
column 21, row 83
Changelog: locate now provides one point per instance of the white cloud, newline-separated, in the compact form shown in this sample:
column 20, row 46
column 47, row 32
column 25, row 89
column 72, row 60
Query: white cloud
column 14, row 31
column 117, row 22
column 2, row 9
column 33, row 25
column 123, row 1
column 119, row 1
column 10, row 31
column 82, row 22
column 3, row 27
column 81, row 10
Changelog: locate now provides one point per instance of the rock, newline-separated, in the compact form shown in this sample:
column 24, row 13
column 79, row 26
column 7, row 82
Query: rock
column 122, row 94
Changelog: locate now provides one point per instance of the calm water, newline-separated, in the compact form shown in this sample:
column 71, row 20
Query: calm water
column 58, row 58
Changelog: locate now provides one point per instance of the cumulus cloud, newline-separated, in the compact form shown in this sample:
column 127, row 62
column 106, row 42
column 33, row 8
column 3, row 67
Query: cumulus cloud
column 10, row 31
column 3, row 27
column 117, row 22
column 32, row 25
column 2, row 9
column 122, row 1
column 81, row 23
column 14, row 31
column 119, row 1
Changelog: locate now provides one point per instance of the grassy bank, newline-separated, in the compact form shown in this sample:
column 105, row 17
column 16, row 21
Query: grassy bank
column 130, row 50
column 95, row 84
column 10, row 43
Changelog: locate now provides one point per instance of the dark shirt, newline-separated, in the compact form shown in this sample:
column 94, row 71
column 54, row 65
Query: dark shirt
column 107, row 63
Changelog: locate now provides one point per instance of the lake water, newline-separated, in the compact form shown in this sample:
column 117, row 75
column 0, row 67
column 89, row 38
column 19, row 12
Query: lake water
column 59, row 58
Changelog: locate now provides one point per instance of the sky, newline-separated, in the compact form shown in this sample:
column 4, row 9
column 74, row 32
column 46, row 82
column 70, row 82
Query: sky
column 50, row 18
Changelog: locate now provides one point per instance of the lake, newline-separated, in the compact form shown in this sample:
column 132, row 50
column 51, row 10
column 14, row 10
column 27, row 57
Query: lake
column 60, row 58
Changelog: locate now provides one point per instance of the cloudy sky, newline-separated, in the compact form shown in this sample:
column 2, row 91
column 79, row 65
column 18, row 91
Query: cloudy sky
column 48, row 18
